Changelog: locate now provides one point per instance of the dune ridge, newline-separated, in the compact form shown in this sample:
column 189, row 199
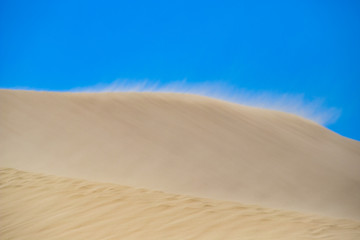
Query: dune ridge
column 65, row 208
column 183, row 144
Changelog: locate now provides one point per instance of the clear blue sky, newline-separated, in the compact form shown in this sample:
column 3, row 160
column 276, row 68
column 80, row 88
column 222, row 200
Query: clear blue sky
column 307, row 47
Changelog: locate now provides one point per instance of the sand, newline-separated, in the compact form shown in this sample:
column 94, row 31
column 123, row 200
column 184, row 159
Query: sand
column 37, row 206
column 223, row 157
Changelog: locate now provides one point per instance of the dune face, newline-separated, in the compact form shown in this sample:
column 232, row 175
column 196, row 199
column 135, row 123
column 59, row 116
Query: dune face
column 62, row 208
column 183, row 144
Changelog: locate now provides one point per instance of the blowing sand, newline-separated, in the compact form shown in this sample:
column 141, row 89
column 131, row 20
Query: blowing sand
column 226, row 156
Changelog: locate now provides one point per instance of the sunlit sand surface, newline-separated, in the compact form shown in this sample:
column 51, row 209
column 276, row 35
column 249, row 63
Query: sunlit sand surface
column 170, row 166
column 36, row 206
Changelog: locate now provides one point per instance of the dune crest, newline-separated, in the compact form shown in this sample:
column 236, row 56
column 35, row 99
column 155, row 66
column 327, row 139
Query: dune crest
column 183, row 144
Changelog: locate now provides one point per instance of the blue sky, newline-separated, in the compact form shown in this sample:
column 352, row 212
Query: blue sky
column 304, row 55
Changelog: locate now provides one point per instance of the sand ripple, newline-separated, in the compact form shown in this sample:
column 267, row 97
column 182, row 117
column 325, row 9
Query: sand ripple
column 36, row 206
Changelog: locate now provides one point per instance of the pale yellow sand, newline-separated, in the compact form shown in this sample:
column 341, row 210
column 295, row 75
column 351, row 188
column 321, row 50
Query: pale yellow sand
column 177, row 143
column 36, row 206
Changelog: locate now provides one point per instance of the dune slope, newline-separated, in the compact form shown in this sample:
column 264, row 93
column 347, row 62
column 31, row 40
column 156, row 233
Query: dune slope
column 183, row 144
column 63, row 208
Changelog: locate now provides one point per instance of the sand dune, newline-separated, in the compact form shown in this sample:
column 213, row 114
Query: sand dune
column 217, row 161
column 62, row 208
column 183, row 144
